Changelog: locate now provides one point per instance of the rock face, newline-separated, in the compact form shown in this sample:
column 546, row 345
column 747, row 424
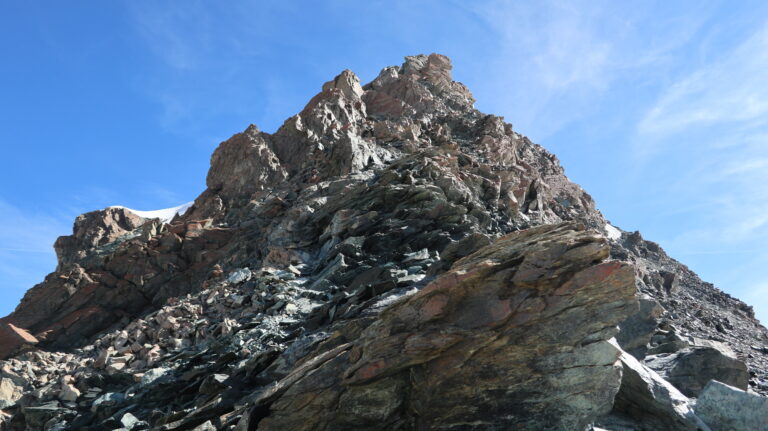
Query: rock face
column 94, row 229
column 646, row 401
column 389, row 258
column 638, row 330
column 513, row 336
column 115, row 279
column 691, row 369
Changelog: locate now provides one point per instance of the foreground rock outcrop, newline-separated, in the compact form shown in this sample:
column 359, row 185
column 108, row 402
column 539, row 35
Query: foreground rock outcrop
column 390, row 258
column 646, row 401
column 513, row 336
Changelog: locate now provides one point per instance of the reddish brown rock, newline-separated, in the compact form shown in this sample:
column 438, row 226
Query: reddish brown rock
column 513, row 336
column 14, row 339
column 93, row 229
column 244, row 164
column 139, row 269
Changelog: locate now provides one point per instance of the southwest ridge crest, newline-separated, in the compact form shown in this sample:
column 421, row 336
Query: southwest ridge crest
column 389, row 258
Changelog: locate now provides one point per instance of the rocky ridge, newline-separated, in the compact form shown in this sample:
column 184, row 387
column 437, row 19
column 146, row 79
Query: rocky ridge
column 390, row 258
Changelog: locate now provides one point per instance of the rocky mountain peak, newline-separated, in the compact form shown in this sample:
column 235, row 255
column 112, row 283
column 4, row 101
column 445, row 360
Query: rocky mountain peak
column 435, row 69
column 389, row 258
column 93, row 229
column 335, row 135
column 346, row 82
column 244, row 164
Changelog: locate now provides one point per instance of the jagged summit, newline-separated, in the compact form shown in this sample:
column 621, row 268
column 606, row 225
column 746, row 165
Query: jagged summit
column 343, row 129
column 348, row 128
column 389, row 258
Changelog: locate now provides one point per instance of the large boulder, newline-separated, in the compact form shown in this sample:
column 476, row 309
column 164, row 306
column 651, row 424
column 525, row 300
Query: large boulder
column 724, row 407
column 647, row 402
column 10, row 393
column 637, row 330
column 14, row 339
column 514, row 336
column 692, row 368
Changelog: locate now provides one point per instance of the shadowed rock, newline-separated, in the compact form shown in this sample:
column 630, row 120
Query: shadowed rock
column 648, row 402
column 692, row 368
column 513, row 336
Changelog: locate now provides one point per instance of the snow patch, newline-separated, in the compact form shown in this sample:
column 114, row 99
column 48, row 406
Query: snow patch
column 165, row 215
column 612, row 232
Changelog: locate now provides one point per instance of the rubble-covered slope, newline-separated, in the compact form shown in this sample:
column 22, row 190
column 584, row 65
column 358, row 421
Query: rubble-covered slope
column 390, row 258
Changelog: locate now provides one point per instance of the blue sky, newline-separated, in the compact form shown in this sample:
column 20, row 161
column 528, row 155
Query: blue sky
column 659, row 110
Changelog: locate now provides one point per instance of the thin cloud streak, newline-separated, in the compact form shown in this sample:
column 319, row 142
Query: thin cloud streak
column 26, row 249
column 32, row 231
column 717, row 116
column 730, row 90
column 558, row 60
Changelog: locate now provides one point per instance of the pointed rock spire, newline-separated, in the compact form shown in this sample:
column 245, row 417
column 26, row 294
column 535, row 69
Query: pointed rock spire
column 348, row 83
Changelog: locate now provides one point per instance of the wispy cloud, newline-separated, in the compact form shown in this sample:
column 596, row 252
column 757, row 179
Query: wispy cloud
column 26, row 250
column 557, row 59
column 210, row 61
column 710, row 127
column 29, row 231
column 178, row 34
column 731, row 89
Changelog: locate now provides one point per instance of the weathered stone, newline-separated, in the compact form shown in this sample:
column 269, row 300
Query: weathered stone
column 115, row 367
column 14, row 339
column 239, row 276
column 691, row 369
column 348, row 83
column 668, row 341
column 464, row 247
column 724, row 407
column 214, row 384
column 36, row 417
column 9, row 393
column 646, row 401
column 152, row 375
column 637, row 330
column 243, row 165
column 109, row 397
column 129, row 421
column 512, row 300
column 95, row 229
column 68, row 393
column 205, row 426
column 671, row 281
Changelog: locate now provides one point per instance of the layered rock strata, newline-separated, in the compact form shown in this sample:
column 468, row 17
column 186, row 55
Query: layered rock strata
column 512, row 336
